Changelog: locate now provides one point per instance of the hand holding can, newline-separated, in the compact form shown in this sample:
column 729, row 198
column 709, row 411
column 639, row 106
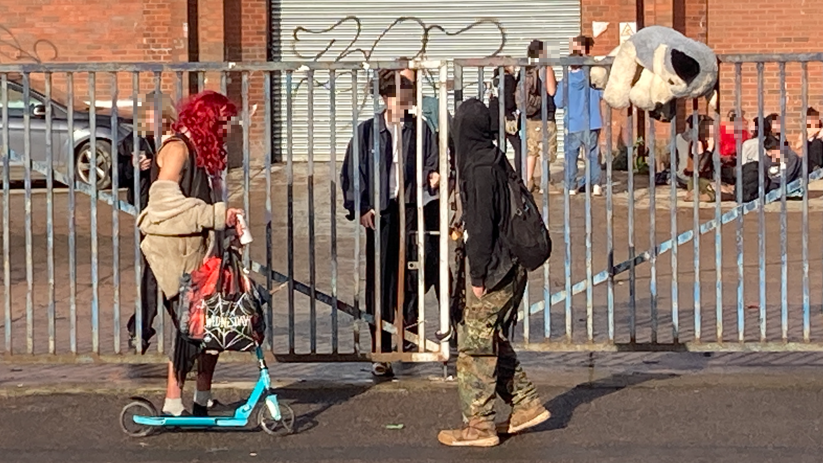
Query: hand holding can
column 245, row 234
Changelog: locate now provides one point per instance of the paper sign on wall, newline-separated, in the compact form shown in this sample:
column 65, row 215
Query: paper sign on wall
column 598, row 27
column 627, row 30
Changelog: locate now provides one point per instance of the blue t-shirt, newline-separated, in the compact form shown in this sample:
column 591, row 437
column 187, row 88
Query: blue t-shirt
column 576, row 104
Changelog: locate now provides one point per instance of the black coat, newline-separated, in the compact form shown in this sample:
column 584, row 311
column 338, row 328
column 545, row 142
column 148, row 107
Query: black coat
column 366, row 170
column 147, row 146
column 484, row 192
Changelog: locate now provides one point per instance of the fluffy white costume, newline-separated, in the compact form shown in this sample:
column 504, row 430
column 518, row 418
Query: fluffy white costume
column 653, row 68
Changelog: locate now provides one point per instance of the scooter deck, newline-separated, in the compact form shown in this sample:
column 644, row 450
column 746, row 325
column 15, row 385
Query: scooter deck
column 191, row 421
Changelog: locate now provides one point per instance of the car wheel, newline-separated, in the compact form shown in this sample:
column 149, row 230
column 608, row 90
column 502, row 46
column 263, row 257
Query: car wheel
column 84, row 163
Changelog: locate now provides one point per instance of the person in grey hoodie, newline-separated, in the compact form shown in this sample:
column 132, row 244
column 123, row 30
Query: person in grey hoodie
column 579, row 134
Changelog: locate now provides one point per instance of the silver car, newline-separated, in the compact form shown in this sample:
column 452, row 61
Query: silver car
column 62, row 147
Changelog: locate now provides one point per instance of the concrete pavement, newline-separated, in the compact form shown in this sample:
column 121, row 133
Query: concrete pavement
column 641, row 417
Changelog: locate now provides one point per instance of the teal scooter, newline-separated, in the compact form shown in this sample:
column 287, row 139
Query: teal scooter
column 140, row 418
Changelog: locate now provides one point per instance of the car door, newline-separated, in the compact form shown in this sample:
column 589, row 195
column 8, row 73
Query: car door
column 16, row 137
column 37, row 130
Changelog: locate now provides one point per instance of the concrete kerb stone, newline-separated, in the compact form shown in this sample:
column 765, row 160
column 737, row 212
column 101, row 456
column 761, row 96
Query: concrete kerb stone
column 776, row 378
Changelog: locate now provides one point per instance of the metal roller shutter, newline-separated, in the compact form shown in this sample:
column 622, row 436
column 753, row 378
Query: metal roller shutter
column 553, row 21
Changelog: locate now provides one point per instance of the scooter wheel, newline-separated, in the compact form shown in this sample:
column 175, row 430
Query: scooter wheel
column 140, row 407
column 282, row 427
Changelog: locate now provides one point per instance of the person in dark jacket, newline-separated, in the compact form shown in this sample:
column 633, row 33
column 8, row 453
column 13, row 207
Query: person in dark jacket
column 486, row 364
column 814, row 139
column 752, row 160
column 396, row 128
column 144, row 125
column 511, row 123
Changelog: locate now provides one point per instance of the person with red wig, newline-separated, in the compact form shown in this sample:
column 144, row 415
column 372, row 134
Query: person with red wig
column 180, row 223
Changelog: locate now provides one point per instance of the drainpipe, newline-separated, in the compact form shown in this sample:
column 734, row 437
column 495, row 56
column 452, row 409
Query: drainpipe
column 640, row 14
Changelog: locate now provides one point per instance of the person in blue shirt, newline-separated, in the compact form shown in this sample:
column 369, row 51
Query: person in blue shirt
column 578, row 112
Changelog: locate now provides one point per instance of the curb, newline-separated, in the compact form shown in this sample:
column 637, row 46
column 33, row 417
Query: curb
column 806, row 379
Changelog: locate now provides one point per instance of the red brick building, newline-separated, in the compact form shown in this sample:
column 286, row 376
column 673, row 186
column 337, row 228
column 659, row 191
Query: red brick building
column 241, row 30
column 733, row 27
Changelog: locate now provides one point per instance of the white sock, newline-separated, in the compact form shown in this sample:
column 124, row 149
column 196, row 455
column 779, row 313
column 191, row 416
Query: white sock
column 203, row 398
column 173, row 407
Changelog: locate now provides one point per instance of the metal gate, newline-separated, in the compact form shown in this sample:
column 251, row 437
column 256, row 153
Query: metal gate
column 71, row 281
column 72, row 261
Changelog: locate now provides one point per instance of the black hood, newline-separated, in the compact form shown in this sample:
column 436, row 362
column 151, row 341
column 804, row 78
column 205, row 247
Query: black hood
column 474, row 137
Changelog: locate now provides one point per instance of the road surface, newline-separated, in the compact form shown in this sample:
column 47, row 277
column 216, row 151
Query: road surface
column 651, row 417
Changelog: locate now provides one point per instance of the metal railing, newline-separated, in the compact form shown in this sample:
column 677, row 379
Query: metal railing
column 635, row 320
column 77, row 286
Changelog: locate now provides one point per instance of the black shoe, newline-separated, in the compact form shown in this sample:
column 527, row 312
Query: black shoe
column 133, row 345
column 199, row 410
column 409, row 346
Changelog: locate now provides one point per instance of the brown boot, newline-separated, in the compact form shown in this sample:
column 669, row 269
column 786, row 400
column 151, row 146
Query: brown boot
column 478, row 433
column 524, row 418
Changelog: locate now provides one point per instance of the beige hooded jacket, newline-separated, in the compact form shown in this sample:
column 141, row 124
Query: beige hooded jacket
column 173, row 225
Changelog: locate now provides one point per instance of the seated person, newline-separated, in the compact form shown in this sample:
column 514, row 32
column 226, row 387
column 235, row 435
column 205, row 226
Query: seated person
column 814, row 139
column 750, row 179
column 704, row 146
column 784, row 163
column 728, row 138
column 683, row 146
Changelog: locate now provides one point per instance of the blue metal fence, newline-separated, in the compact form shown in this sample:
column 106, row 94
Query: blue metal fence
column 73, row 311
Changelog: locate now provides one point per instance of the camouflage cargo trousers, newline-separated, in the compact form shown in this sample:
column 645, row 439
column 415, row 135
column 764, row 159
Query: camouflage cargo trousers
column 487, row 364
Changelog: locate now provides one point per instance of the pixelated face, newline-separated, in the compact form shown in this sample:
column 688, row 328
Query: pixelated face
column 408, row 91
column 145, row 121
column 404, row 96
column 578, row 48
column 226, row 123
column 147, row 117
column 776, row 126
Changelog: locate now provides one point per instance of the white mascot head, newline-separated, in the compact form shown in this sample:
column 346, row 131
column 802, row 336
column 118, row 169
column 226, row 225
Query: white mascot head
column 654, row 68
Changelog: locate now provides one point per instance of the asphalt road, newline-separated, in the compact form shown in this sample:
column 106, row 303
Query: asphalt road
column 644, row 418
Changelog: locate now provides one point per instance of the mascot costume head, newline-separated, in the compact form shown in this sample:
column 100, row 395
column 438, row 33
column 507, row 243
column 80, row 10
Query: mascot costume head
column 654, row 68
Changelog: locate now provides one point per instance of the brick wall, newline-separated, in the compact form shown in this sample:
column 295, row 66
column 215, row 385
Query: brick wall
column 760, row 26
column 729, row 27
column 246, row 26
column 93, row 31
column 614, row 12
column 140, row 31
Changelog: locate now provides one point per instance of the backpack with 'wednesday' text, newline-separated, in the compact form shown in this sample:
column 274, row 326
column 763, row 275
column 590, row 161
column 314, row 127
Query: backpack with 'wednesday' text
column 523, row 231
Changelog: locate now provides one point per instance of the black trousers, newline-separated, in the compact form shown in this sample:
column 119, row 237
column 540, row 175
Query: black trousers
column 431, row 249
column 389, row 242
column 148, row 308
column 389, row 267
column 516, row 142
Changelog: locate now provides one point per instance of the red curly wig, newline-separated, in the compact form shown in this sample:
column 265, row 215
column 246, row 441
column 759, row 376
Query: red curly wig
column 204, row 118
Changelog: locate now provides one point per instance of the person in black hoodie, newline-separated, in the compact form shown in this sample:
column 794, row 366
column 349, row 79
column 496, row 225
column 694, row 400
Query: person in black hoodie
column 487, row 364
column 144, row 125
column 395, row 125
column 511, row 125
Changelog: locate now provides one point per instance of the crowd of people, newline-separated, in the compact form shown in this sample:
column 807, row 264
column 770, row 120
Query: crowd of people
column 765, row 154
column 779, row 161
column 180, row 195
